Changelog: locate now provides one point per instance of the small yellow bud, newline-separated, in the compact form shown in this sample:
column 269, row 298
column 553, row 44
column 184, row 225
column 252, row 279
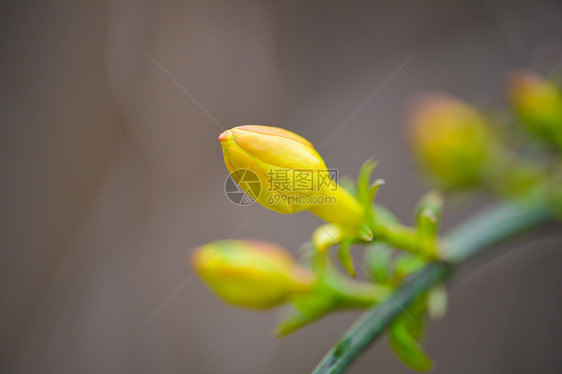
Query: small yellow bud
column 251, row 273
column 292, row 175
column 538, row 103
column 327, row 235
column 450, row 139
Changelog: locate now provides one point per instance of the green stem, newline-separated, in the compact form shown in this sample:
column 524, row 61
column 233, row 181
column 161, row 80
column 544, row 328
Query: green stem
column 355, row 294
column 478, row 233
column 350, row 293
column 403, row 237
column 408, row 239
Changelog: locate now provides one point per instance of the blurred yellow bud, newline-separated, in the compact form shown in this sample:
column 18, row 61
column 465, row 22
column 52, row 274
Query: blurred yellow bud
column 538, row 103
column 251, row 273
column 327, row 235
column 450, row 139
column 292, row 176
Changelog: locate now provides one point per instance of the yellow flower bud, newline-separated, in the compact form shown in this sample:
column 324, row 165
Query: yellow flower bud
column 292, row 175
column 450, row 139
column 538, row 103
column 251, row 273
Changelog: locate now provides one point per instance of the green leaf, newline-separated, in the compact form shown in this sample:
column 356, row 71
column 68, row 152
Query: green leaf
column 415, row 320
column 416, row 325
column 407, row 348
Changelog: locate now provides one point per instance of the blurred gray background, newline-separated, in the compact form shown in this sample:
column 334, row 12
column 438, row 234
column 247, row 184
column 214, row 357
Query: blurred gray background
column 112, row 173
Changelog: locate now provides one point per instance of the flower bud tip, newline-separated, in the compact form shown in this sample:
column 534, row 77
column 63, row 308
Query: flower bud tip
column 224, row 136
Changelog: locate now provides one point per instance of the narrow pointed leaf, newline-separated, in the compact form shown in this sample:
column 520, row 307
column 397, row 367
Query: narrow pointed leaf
column 407, row 348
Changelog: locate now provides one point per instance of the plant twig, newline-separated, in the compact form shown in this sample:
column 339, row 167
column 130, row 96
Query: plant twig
column 468, row 239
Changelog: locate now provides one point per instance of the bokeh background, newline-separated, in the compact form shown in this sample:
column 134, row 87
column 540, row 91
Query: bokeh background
column 111, row 173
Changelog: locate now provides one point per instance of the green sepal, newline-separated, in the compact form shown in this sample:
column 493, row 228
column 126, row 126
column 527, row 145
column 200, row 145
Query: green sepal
column 373, row 189
column 365, row 233
column 427, row 224
column 306, row 308
column 363, row 188
column 344, row 255
column 428, row 213
column 297, row 320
